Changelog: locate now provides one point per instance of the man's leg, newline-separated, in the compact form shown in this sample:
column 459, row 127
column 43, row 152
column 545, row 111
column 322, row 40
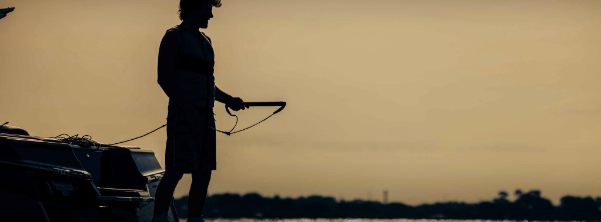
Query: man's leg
column 198, row 193
column 164, row 192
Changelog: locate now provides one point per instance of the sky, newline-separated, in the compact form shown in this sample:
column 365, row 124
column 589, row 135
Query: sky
column 431, row 100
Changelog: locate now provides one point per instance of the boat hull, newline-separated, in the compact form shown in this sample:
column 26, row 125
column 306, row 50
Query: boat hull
column 46, row 180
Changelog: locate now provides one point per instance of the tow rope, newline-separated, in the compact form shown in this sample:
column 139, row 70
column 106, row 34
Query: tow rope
column 282, row 105
column 86, row 141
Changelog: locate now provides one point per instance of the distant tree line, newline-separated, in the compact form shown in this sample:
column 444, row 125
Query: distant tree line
column 528, row 206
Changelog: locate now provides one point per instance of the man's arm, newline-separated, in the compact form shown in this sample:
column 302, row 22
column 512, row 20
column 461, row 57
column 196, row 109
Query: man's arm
column 233, row 102
column 166, row 69
column 221, row 96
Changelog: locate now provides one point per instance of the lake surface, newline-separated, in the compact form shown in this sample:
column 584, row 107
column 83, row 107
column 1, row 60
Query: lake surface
column 341, row 220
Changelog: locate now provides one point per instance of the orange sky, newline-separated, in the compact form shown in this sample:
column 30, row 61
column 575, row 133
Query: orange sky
column 432, row 100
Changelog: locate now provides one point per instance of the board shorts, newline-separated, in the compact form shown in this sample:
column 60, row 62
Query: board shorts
column 185, row 150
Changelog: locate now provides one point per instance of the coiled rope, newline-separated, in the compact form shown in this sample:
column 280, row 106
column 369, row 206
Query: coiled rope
column 85, row 141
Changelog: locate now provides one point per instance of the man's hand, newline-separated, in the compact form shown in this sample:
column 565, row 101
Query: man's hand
column 236, row 104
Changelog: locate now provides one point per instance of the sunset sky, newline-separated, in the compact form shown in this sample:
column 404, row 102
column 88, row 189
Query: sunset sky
column 432, row 100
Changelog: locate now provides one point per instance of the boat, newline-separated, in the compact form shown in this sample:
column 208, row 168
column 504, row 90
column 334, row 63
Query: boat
column 55, row 179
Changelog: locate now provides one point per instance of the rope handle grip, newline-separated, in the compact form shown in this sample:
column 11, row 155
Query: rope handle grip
column 282, row 105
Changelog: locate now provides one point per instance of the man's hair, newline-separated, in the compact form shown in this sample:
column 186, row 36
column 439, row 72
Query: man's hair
column 185, row 6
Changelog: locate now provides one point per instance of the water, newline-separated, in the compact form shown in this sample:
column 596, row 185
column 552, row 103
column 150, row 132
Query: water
column 343, row 220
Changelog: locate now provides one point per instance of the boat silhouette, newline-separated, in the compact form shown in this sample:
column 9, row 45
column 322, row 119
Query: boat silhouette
column 49, row 179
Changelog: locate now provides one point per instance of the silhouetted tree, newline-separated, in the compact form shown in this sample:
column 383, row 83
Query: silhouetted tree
column 518, row 192
column 503, row 195
column 532, row 206
column 577, row 208
column 528, row 206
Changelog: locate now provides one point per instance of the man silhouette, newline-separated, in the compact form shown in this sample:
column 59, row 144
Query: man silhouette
column 185, row 72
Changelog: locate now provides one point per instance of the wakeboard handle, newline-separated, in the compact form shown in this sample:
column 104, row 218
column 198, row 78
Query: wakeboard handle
column 282, row 105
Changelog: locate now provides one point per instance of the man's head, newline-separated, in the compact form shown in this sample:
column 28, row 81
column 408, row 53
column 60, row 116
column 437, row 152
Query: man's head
column 197, row 11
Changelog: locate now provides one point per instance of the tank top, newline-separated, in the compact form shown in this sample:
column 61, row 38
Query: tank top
column 194, row 69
